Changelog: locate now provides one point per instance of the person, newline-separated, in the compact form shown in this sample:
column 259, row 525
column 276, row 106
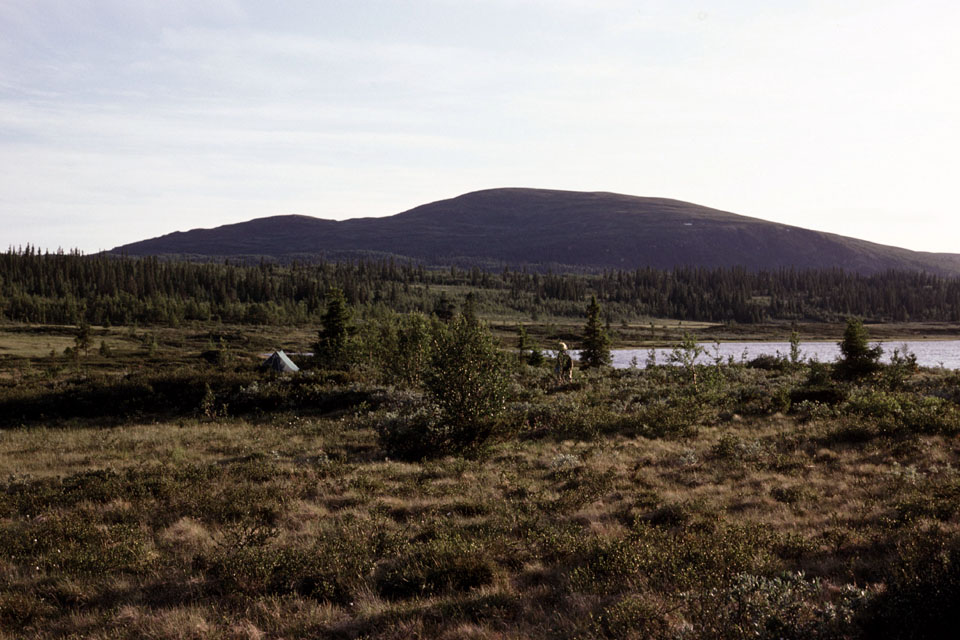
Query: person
column 564, row 366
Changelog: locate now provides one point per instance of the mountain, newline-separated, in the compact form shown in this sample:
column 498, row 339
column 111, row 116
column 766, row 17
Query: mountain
column 562, row 229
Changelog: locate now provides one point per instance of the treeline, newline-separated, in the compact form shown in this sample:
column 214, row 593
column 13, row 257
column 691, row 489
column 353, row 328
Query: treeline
column 66, row 288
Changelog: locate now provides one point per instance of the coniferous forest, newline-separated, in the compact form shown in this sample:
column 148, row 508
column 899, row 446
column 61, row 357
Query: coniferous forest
column 68, row 288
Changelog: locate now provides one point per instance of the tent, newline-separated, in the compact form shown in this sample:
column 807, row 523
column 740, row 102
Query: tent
column 279, row 362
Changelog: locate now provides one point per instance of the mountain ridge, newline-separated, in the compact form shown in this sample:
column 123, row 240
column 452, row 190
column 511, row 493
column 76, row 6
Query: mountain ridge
column 529, row 227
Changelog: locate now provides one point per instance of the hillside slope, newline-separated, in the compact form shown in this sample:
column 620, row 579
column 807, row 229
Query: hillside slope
column 545, row 227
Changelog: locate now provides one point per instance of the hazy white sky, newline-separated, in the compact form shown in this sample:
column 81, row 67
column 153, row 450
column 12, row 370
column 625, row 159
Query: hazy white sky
column 127, row 119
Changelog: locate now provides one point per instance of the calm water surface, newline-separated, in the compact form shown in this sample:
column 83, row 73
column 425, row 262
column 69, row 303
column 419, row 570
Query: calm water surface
column 930, row 353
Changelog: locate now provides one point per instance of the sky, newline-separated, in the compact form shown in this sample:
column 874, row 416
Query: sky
column 122, row 120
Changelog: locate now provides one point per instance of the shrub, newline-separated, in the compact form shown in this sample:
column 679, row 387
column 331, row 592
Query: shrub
column 685, row 356
column 731, row 447
column 535, row 358
column 931, row 415
column 903, row 364
column 761, row 399
column 755, row 606
column 768, row 363
column 633, row 616
column 819, row 387
column 466, row 386
column 671, row 416
column 440, row 566
column 921, row 594
column 898, row 413
column 467, row 377
column 413, row 435
column 808, row 410
column 398, row 346
column 562, row 417
column 332, row 569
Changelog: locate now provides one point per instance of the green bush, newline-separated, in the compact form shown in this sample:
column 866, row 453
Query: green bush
column 334, row 568
column 632, row 617
column 921, row 594
column 768, row 362
column 563, row 416
column 761, row 399
column 756, row 606
column 467, row 377
column 413, row 435
column 75, row 544
column 901, row 413
column 401, row 346
column 466, row 385
column 819, row 387
column 676, row 415
column 903, row 364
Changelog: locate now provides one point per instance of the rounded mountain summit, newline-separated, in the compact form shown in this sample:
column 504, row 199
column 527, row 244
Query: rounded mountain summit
column 562, row 230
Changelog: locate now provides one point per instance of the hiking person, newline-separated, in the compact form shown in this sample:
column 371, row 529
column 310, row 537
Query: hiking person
column 564, row 366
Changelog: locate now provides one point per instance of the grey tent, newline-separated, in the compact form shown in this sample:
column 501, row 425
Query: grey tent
column 279, row 362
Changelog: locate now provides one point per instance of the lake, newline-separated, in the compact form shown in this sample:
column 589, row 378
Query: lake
column 930, row 353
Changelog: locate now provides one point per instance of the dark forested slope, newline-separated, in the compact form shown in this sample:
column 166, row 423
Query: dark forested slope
column 544, row 227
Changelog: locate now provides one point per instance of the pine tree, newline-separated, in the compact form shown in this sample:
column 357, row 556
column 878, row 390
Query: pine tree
column 596, row 342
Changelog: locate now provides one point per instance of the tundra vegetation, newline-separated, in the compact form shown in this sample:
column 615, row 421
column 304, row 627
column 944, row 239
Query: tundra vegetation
column 421, row 478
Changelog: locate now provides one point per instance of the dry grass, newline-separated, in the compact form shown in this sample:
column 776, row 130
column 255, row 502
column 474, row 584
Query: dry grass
column 292, row 522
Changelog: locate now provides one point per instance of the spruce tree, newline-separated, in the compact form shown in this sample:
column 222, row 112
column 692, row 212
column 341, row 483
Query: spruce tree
column 857, row 358
column 469, row 312
column 596, row 342
column 333, row 340
column 523, row 341
column 84, row 336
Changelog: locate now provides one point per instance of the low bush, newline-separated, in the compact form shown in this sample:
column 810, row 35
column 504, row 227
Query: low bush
column 446, row 565
column 762, row 399
column 921, row 594
column 675, row 416
column 900, row 413
column 75, row 544
column 634, row 616
column 768, row 362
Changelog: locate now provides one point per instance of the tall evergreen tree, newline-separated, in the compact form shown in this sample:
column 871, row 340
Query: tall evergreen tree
column 469, row 312
column 333, row 340
column 523, row 341
column 596, row 342
column 84, row 337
